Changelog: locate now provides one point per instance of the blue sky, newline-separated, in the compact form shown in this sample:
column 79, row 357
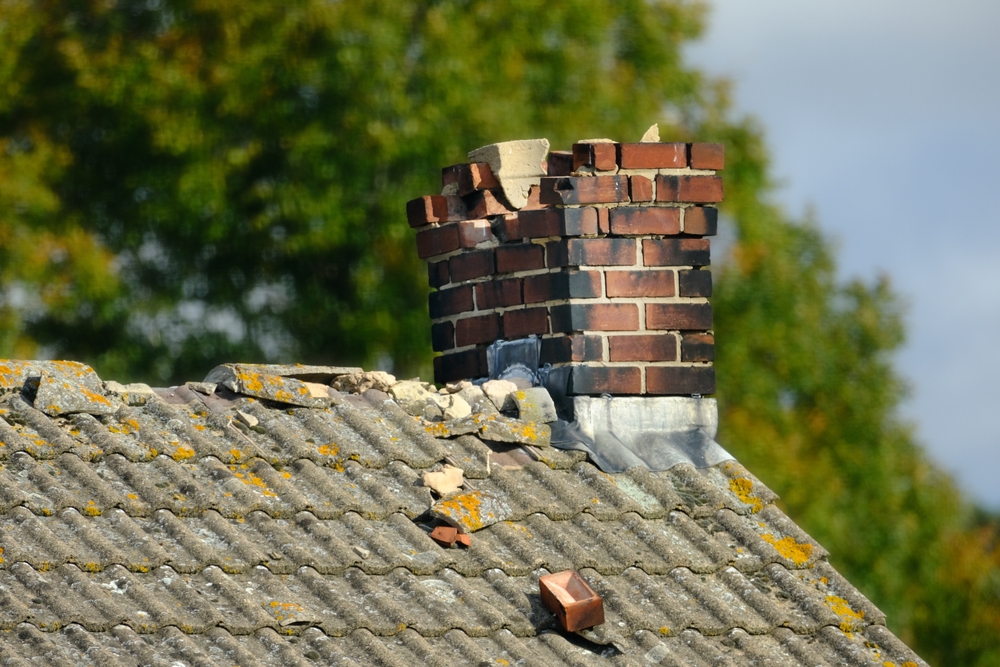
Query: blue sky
column 883, row 118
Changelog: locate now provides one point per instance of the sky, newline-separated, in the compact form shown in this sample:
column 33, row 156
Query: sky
column 883, row 119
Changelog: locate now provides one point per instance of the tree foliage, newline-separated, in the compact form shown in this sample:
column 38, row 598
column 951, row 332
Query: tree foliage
column 185, row 182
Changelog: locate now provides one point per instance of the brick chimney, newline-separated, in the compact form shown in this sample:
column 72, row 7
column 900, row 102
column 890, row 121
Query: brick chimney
column 601, row 253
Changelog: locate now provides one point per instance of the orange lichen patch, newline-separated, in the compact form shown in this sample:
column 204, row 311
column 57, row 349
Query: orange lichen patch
column 94, row 397
column 283, row 395
column 465, row 509
column 73, row 368
column 91, row 509
column 182, row 453
column 517, row 526
column 665, row 631
column 1, row 557
column 437, row 429
column 200, row 427
column 852, row 620
column 329, row 450
column 251, row 479
column 797, row 552
column 251, row 381
column 132, row 496
column 742, row 488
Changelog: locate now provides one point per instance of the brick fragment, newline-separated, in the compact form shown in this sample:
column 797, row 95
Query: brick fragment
column 445, row 536
column 675, row 252
column 708, row 156
column 698, row 347
column 594, row 317
column 525, row 322
column 651, row 155
column 644, row 347
column 520, row 257
column 560, row 163
column 546, row 222
column 701, row 221
column 584, row 190
column 498, row 294
column 464, row 365
column 645, row 220
column 680, row 380
column 467, row 178
column 478, row 329
column 469, row 265
column 484, row 203
column 437, row 240
column 591, row 252
column 533, row 201
column 437, row 273
column 561, row 285
column 694, row 283
column 603, row 221
column 446, row 302
column 435, row 208
column 600, row 156
column 442, row 336
column 595, row 380
column 640, row 188
column 689, row 189
column 576, row 347
column 639, row 283
column 680, row 316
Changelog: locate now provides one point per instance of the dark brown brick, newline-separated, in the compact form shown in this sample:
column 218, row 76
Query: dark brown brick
column 603, row 221
column 645, row 220
column 508, row 228
column 694, row 283
column 681, row 316
column 697, row 347
column 591, row 252
column 560, row 163
column 600, row 156
column 595, row 380
column 437, row 240
column 525, row 322
column 680, row 380
column 442, row 336
column 468, row 178
column 652, row 155
column 640, row 188
column 545, row 222
column 701, row 221
column 595, row 317
column 478, row 329
column 561, row 285
column 473, row 232
column 708, row 156
column 464, row 365
column 469, row 265
column 644, row 347
column 437, row 273
column 435, row 208
column 446, row 302
column 520, row 257
column 689, row 189
column 578, row 347
column 639, row 283
column 484, row 203
column 675, row 252
column 498, row 294
column 584, row 190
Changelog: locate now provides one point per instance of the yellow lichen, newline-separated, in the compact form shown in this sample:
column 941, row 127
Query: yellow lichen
column 743, row 489
column 437, row 429
column 183, row 453
column 91, row 509
column 841, row 607
column 665, row 631
column 465, row 509
column 94, row 397
column 329, row 450
column 797, row 552
column 251, row 479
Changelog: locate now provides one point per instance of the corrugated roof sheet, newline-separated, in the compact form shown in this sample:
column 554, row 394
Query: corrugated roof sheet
column 173, row 533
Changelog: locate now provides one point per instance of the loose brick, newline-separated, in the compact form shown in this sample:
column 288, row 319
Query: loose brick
column 694, row 283
column 675, row 252
column 546, row 222
column 680, row 380
column 640, row 188
column 561, row 285
column 708, row 156
column 533, row 202
column 596, row 380
column 464, row 365
column 701, row 221
column 469, row 265
column 594, row 317
column 645, row 347
column 603, row 221
column 591, row 252
column 577, row 347
column 473, row 232
column 520, row 257
column 645, row 220
column 698, row 347
column 484, row 203
column 446, row 302
column 442, row 336
column 478, row 329
column 560, row 163
column 639, row 283
column 498, row 294
column 689, row 189
column 467, row 178
column 681, row 316
column 438, row 274
column 525, row 322
column 584, row 190
column 437, row 240
column 435, row 208
column 600, row 156
column 652, row 156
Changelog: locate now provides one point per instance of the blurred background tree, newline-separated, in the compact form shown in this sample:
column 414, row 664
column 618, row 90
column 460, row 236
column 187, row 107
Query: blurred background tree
column 189, row 182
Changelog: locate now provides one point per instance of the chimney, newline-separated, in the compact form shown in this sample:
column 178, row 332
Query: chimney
column 597, row 259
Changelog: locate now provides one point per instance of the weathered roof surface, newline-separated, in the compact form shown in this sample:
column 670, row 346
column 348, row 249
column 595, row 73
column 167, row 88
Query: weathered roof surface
column 177, row 533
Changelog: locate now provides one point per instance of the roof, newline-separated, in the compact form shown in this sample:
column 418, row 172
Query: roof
column 179, row 527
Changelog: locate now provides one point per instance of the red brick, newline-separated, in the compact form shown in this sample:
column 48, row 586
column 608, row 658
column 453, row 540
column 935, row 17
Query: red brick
column 442, row 336
column 584, row 190
column 600, row 156
column 450, row 301
column 577, row 347
column 498, row 294
column 681, row 316
column 473, row 232
column 591, row 252
column 574, row 603
column 520, row 257
column 434, row 208
column 645, row 220
column 478, row 329
column 464, row 365
column 560, row 163
column 603, row 221
column 698, row 347
column 639, row 283
column 469, row 265
column 437, row 273
column 594, row 317
column 596, row 380
column 533, row 202
column 484, row 203
column 525, row 322
column 445, row 536
column 694, row 283
column 701, row 221
column 652, row 155
column 680, row 380
column 693, row 189
column 708, row 156
column 468, row 178
column 675, row 252
column 561, row 285
column 645, row 347
column 546, row 222
column 437, row 240
column 640, row 188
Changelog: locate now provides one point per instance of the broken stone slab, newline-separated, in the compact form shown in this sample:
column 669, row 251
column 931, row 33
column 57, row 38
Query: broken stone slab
column 359, row 383
column 250, row 380
column 134, row 394
column 457, row 408
column 535, row 405
column 207, row 388
column 448, row 479
column 60, row 387
column 499, row 392
column 517, row 165
column 413, row 396
column 502, row 429
column 652, row 135
column 320, row 374
column 478, row 401
column 472, row 510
